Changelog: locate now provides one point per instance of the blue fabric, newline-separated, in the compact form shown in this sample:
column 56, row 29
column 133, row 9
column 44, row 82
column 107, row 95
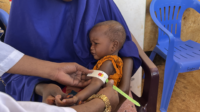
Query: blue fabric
column 58, row 31
column 2, row 87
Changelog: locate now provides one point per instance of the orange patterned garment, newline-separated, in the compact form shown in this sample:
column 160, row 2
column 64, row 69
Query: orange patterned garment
column 117, row 64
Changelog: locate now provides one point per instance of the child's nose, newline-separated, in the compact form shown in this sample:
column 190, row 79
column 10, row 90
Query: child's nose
column 92, row 47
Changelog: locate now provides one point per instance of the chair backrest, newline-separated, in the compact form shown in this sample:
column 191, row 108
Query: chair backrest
column 4, row 17
column 169, row 13
column 3, row 23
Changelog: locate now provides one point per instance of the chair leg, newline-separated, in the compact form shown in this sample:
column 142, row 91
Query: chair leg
column 152, row 56
column 170, row 76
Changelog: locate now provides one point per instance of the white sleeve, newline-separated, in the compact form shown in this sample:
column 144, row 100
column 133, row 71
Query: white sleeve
column 8, row 57
column 8, row 104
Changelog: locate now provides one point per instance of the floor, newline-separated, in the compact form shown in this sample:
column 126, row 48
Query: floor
column 186, row 93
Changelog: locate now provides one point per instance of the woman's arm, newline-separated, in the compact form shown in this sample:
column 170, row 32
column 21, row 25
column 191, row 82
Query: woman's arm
column 97, row 105
column 64, row 73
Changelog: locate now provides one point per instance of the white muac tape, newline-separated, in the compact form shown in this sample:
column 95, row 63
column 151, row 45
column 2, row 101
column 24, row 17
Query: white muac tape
column 99, row 74
column 103, row 76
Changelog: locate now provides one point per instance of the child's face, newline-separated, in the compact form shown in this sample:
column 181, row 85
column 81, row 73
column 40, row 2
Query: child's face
column 101, row 44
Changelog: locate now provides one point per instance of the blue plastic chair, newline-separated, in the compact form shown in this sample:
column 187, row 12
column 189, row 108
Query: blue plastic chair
column 4, row 19
column 180, row 56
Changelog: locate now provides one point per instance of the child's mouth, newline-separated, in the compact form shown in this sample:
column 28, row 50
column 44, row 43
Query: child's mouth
column 93, row 54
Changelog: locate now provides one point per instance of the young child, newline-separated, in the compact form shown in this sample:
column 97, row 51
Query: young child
column 106, row 38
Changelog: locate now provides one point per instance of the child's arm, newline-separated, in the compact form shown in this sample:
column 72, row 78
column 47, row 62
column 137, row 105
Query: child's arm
column 96, row 83
column 93, row 87
column 124, row 84
column 48, row 92
column 127, row 73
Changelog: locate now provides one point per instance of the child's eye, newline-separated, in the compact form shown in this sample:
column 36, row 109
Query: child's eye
column 95, row 43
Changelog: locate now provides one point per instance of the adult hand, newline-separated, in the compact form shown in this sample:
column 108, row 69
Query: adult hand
column 111, row 94
column 71, row 74
column 49, row 92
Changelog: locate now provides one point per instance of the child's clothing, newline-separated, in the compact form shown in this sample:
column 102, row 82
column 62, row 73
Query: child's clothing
column 117, row 64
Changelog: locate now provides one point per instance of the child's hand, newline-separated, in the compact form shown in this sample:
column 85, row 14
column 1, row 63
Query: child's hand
column 68, row 101
column 50, row 92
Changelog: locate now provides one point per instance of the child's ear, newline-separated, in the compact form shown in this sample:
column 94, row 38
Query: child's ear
column 115, row 45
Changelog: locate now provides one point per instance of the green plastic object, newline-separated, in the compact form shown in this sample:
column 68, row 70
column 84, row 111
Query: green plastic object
column 125, row 95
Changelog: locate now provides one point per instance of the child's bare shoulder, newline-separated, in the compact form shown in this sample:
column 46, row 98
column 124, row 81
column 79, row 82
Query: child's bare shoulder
column 108, row 67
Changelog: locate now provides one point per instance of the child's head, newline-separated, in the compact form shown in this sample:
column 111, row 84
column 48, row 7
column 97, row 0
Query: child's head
column 106, row 38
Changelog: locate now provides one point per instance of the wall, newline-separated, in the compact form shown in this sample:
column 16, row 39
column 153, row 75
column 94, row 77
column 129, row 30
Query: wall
column 189, row 30
column 5, row 5
column 133, row 12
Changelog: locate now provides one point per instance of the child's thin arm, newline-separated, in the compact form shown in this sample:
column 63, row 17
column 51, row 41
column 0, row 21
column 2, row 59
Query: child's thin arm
column 125, row 81
column 96, row 83
column 91, row 89
column 127, row 73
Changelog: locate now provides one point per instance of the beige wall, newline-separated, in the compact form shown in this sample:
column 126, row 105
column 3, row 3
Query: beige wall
column 5, row 5
column 190, row 28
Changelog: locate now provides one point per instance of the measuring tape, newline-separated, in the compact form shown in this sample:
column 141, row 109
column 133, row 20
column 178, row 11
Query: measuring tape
column 104, row 77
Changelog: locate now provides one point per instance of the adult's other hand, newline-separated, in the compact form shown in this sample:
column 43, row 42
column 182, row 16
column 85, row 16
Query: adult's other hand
column 111, row 94
column 71, row 74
